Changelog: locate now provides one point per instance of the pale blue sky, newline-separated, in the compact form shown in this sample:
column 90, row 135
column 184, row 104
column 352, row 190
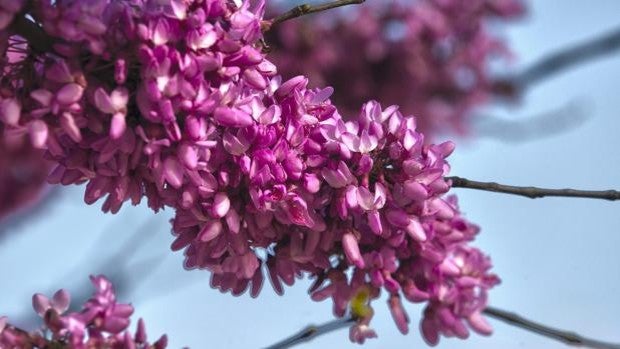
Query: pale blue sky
column 558, row 258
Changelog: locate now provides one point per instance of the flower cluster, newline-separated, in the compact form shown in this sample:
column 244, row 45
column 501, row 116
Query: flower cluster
column 174, row 101
column 431, row 57
column 132, row 92
column 102, row 323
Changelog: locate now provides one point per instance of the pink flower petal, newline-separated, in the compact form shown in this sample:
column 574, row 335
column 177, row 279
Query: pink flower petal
column 69, row 94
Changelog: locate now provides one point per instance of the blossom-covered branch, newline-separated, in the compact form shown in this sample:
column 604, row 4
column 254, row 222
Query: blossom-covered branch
column 533, row 192
column 559, row 61
column 304, row 9
column 176, row 102
column 570, row 338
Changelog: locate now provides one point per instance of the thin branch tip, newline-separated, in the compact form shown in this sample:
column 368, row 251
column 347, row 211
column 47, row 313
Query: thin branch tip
column 311, row 332
column 533, row 192
column 567, row 337
column 306, row 9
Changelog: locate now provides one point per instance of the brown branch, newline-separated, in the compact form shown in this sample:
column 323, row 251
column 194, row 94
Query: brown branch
column 558, row 61
column 37, row 39
column 311, row 332
column 305, row 9
column 533, row 192
column 567, row 337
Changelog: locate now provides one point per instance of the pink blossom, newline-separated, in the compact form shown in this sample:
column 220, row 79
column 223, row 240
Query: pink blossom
column 102, row 323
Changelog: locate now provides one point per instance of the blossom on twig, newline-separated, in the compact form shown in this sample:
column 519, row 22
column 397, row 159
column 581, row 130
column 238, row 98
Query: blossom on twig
column 101, row 323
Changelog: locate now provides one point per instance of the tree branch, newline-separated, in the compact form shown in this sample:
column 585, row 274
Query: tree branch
column 569, row 338
column 559, row 61
column 311, row 332
column 533, row 192
column 305, row 9
column 37, row 39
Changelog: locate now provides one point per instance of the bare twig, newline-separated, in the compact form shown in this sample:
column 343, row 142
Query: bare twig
column 533, row 192
column 570, row 338
column 302, row 10
column 311, row 332
column 559, row 61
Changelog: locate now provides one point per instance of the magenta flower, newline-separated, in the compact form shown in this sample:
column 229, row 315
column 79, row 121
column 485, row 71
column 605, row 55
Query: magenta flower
column 102, row 323
column 175, row 102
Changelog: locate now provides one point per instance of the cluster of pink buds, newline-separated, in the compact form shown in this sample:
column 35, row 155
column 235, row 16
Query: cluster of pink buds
column 174, row 101
column 430, row 57
column 102, row 323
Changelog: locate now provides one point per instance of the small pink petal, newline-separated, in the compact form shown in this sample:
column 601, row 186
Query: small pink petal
column 414, row 190
column 70, row 127
column 140, row 336
column 61, row 300
column 374, row 221
column 416, row 230
column 351, row 250
column 287, row 87
column 69, row 94
column 173, row 172
column 335, row 178
column 189, row 155
column 430, row 331
column 179, row 8
column 398, row 314
column 221, row 205
column 115, row 325
column 38, row 133
column 44, row 97
column 270, row 115
column 41, row 304
column 10, row 111
column 479, row 324
column 119, row 98
column 311, row 183
column 232, row 117
column 118, row 126
column 365, row 199
column 210, row 231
